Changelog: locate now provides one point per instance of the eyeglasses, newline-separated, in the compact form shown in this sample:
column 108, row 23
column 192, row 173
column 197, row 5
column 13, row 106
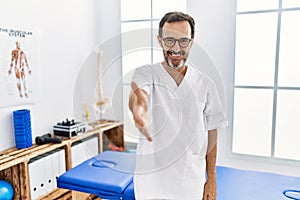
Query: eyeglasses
column 183, row 42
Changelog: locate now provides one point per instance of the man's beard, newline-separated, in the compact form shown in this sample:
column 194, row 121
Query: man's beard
column 169, row 62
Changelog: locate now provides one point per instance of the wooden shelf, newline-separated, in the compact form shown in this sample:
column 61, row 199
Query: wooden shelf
column 61, row 194
column 14, row 162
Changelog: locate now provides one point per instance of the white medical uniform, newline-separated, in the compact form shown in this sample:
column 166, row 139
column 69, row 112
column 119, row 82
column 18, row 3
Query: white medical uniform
column 173, row 165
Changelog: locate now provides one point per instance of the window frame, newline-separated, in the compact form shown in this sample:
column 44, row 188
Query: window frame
column 275, row 88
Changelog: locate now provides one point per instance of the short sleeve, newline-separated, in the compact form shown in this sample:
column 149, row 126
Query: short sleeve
column 143, row 78
column 214, row 114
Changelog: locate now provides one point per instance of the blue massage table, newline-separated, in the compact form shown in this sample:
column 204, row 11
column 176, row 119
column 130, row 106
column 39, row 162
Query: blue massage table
column 109, row 175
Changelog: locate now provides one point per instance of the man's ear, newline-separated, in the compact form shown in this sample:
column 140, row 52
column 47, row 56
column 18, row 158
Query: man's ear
column 159, row 41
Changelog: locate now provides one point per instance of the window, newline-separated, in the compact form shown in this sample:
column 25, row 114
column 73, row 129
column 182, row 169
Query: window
column 139, row 26
column 267, row 84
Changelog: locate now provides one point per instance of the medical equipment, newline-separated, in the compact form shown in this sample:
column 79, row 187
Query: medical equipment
column 46, row 138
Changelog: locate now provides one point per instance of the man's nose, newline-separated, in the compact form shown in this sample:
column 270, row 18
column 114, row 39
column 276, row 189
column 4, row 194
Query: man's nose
column 176, row 46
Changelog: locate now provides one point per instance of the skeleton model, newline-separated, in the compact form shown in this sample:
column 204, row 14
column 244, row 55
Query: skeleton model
column 101, row 104
column 18, row 62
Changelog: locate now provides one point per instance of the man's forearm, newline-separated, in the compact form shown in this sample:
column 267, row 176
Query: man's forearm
column 211, row 155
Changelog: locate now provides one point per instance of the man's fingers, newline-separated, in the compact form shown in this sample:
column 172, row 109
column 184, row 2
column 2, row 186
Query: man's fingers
column 141, row 123
column 144, row 131
column 139, row 115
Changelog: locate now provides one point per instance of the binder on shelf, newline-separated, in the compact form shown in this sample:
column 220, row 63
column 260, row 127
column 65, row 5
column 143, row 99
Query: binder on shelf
column 36, row 168
column 61, row 163
column 44, row 170
column 49, row 167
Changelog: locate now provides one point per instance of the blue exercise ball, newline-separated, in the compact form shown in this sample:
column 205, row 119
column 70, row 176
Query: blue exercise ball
column 6, row 190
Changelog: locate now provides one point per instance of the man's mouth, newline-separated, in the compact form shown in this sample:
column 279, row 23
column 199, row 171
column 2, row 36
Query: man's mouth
column 175, row 54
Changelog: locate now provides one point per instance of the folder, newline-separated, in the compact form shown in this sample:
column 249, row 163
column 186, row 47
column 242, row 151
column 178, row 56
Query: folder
column 37, row 176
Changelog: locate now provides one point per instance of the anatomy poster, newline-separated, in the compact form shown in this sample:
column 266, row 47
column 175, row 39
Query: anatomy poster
column 19, row 78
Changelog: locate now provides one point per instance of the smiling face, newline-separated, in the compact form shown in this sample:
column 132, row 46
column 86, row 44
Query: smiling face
column 175, row 55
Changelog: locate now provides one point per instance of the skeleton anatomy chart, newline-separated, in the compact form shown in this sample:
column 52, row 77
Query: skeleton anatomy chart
column 19, row 80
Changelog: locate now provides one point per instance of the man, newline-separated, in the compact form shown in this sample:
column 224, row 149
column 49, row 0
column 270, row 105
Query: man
column 18, row 58
column 177, row 109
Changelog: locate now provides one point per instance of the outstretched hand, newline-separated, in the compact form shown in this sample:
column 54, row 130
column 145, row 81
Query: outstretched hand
column 138, row 104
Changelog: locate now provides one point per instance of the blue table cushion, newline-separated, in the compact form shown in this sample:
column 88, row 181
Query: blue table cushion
column 235, row 184
column 107, row 174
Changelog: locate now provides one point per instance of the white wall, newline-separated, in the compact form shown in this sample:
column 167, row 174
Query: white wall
column 68, row 32
column 215, row 32
column 108, row 39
